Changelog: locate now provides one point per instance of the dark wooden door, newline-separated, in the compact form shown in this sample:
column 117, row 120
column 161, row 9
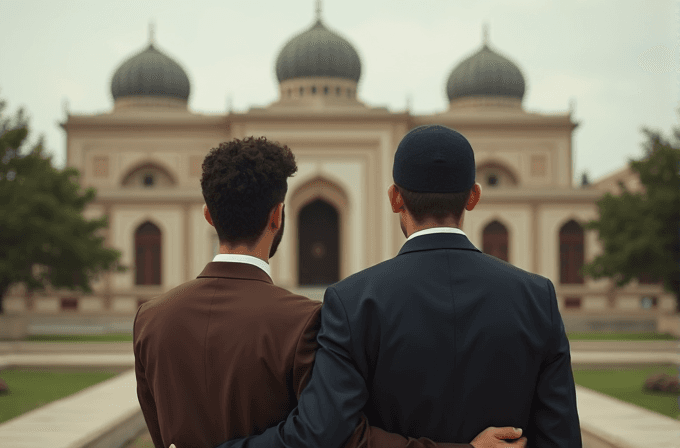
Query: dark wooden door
column 148, row 254
column 571, row 253
column 318, row 249
column 495, row 240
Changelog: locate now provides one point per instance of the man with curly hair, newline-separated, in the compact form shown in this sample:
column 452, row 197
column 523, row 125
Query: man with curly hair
column 228, row 354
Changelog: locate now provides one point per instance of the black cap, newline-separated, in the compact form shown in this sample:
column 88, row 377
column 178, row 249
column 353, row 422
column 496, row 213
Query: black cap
column 434, row 159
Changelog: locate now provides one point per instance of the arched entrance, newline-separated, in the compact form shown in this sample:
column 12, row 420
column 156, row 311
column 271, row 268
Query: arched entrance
column 571, row 253
column 318, row 244
column 495, row 240
column 148, row 254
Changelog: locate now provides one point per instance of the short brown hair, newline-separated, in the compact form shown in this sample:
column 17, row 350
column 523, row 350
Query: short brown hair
column 439, row 206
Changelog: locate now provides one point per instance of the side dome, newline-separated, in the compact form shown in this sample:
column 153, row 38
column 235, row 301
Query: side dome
column 318, row 52
column 486, row 73
column 150, row 73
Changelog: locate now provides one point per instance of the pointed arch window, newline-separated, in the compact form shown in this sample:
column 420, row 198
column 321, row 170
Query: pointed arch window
column 571, row 253
column 495, row 240
column 148, row 254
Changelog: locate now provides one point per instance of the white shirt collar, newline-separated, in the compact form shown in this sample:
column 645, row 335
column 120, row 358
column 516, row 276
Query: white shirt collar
column 247, row 259
column 436, row 230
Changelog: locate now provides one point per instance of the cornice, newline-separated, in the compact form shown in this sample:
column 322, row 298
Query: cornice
column 469, row 119
column 325, row 115
column 540, row 194
column 524, row 195
column 156, row 196
column 144, row 121
column 500, row 121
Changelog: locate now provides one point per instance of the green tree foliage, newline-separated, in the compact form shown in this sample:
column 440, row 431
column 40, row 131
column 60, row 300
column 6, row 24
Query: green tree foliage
column 640, row 231
column 44, row 238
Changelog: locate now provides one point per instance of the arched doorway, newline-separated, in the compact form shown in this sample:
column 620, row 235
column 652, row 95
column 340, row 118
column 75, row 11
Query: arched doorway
column 318, row 244
column 495, row 240
column 148, row 254
column 571, row 252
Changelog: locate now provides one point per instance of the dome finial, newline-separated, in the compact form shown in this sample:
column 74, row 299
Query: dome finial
column 151, row 33
column 318, row 10
column 485, row 34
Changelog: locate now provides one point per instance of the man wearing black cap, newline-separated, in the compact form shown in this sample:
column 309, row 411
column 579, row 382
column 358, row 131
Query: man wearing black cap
column 443, row 340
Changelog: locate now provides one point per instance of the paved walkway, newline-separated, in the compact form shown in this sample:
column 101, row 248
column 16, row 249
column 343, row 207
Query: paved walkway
column 622, row 424
column 126, row 347
column 107, row 414
column 127, row 360
column 104, row 415
column 623, row 358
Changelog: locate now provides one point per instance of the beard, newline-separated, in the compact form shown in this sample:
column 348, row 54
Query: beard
column 278, row 236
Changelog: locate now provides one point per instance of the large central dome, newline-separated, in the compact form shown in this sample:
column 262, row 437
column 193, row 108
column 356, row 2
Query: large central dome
column 318, row 52
column 486, row 74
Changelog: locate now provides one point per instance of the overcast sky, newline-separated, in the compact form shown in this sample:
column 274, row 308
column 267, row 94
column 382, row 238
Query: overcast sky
column 617, row 60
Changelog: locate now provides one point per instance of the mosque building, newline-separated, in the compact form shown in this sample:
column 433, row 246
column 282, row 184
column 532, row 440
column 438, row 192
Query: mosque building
column 144, row 159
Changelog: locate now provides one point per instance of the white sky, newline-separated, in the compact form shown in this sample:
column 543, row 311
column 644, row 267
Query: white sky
column 619, row 60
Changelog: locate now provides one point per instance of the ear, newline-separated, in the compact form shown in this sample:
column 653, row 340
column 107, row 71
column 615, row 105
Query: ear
column 475, row 195
column 276, row 217
column 396, row 199
column 206, row 214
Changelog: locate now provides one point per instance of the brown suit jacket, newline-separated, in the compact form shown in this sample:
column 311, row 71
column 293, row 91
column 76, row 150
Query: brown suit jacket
column 227, row 355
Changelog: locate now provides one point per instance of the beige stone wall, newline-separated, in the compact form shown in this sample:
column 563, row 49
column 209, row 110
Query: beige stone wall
column 90, row 304
column 203, row 237
column 667, row 303
column 46, row 305
column 14, row 305
column 594, row 303
column 123, row 156
column 124, row 305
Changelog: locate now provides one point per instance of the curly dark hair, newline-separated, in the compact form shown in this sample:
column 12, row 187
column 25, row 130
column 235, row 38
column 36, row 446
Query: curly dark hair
column 439, row 206
column 242, row 181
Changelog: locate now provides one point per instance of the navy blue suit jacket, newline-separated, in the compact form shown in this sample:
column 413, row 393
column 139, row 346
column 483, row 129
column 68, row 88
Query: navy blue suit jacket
column 441, row 341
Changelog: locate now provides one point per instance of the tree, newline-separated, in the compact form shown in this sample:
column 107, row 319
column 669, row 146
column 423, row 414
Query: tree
column 44, row 238
column 640, row 231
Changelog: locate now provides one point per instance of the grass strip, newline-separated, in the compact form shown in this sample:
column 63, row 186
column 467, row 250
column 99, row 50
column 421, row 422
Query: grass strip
column 628, row 385
column 113, row 337
column 31, row 388
column 592, row 336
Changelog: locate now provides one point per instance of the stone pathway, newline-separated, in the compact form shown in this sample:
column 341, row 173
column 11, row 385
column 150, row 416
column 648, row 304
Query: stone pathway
column 89, row 418
column 606, row 422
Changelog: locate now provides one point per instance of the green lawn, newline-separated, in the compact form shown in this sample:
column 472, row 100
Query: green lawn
column 627, row 385
column 30, row 389
column 620, row 337
column 114, row 337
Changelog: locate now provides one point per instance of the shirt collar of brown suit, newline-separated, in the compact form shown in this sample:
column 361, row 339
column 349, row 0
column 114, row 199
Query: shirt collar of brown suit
column 242, row 271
